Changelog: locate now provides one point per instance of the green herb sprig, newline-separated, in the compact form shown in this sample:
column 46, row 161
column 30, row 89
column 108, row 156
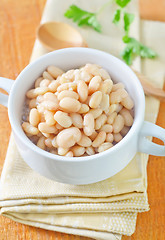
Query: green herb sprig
column 133, row 48
column 82, row 17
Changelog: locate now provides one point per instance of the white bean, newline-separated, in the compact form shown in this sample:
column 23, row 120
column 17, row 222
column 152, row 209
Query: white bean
column 124, row 130
column 41, row 143
column 41, row 90
column 45, row 128
column 106, row 128
column 62, row 151
column 100, row 121
column 67, row 93
column 90, row 150
column 47, row 75
column 55, row 71
column 127, row 102
column 67, row 86
column 84, row 108
column 63, row 119
column 104, row 74
column 48, row 142
column 68, row 137
column 78, row 151
column 70, row 104
column 95, row 99
column 92, row 69
column 104, row 105
column 85, row 76
column 50, row 97
column 34, row 117
column 111, row 118
column 37, row 82
column 82, row 90
column 106, row 86
column 109, row 137
column 118, row 124
column 128, row 119
column 77, row 120
column 117, row 137
column 94, row 84
column 69, row 154
column 119, row 107
column 59, row 127
column 54, row 85
column 99, row 139
column 32, row 103
column 117, row 86
column 104, row 146
column 28, row 128
column 44, row 83
column 96, row 112
column 54, row 142
column 88, row 124
column 50, row 105
column 84, row 141
column 112, row 108
column 49, row 117
column 114, row 97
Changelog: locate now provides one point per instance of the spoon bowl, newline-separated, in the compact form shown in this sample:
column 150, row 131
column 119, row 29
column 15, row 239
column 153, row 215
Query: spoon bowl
column 57, row 35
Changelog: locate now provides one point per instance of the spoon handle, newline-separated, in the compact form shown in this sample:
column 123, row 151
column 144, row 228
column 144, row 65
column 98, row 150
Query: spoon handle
column 148, row 88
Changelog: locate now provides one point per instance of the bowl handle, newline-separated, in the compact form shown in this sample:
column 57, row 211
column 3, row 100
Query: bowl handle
column 5, row 84
column 146, row 146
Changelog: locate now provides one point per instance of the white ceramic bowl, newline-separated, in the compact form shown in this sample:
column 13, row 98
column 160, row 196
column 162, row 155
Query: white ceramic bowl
column 88, row 169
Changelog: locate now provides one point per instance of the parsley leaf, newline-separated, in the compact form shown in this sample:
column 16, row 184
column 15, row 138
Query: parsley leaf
column 116, row 17
column 83, row 17
column 146, row 52
column 135, row 48
column 122, row 3
column 127, row 55
column 128, row 19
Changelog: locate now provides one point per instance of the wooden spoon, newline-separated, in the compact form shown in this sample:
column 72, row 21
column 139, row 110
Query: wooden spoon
column 57, row 35
column 148, row 88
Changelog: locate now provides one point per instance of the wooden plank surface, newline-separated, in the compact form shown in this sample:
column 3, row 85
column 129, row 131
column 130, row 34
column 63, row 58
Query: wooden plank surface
column 18, row 22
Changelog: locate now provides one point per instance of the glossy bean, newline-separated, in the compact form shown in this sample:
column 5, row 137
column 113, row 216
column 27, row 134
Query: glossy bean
column 118, row 124
column 128, row 119
column 68, row 137
column 95, row 99
column 82, row 90
column 34, row 117
column 78, row 151
column 28, row 128
column 94, row 84
column 84, row 141
column 70, row 104
column 104, row 146
column 55, row 71
column 46, row 75
column 77, row 120
column 67, row 93
column 100, row 121
column 99, row 139
column 88, row 124
column 45, row 128
column 63, row 119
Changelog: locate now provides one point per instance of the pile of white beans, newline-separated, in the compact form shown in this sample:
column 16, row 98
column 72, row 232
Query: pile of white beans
column 77, row 113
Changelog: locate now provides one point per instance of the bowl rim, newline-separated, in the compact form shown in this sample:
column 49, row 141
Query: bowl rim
column 29, row 144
